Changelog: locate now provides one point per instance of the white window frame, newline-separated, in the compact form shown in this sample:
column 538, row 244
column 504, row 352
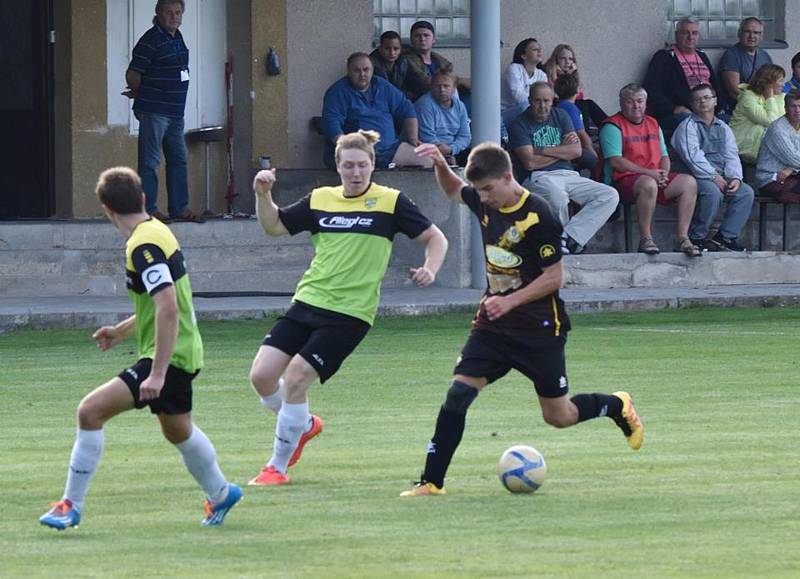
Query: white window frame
column 390, row 15
column 203, row 30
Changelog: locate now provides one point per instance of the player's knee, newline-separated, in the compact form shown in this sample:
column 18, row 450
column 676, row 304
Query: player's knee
column 459, row 397
column 90, row 416
column 557, row 419
column 262, row 382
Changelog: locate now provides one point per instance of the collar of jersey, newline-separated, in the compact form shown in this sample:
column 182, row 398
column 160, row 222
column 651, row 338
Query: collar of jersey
column 359, row 195
column 516, row 205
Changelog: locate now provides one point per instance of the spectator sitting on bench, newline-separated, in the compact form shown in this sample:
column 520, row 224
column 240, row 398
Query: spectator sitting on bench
column 563, row 60
column 423, row 61
column 442, row 119
column 740, row 62
column 518, row 77
column 388, row 62
column 760, row 103
column 778, row 169
column 708, row 148
column 637, row 164
column 566, row 88
column 544, row 141
column 673, row 71
column 794, row 82
column 363, row 101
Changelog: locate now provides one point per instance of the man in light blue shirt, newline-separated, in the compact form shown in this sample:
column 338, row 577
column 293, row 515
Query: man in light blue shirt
column 708, row 148
column 361, row 100
column 442, row 117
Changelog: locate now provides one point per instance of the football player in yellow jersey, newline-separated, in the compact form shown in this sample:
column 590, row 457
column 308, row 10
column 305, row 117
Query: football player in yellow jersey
column 352, row 227
column 170, row 355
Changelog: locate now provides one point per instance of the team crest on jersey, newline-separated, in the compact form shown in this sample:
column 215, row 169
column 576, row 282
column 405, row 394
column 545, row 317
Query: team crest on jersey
column 547, row 250
column 370, row 203
column 500, row 257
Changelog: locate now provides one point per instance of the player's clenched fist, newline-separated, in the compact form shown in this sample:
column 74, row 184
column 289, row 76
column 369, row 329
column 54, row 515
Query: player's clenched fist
column 263, row 182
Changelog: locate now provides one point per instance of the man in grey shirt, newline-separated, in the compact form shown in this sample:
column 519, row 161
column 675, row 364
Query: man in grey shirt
column 545, row 142
column 708, row 148
column 740, row 62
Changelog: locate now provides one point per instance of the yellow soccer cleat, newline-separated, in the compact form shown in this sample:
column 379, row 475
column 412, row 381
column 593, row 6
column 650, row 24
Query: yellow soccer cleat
column 629, row 422
column 423, row 489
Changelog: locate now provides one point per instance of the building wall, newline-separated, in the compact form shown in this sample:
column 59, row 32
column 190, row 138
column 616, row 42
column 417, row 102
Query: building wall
column 94, row 145
column 272, row 114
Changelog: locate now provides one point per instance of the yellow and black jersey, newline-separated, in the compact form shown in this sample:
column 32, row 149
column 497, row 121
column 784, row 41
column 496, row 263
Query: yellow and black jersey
column 519, row 242
column 153, row 262
column 352, row 238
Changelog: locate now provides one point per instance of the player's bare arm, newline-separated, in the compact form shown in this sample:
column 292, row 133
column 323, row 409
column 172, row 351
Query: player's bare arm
column 266, row 210
column 109, row 336
column 166, row 303
column 551, row 280
column 435, row 249
column 448, row 181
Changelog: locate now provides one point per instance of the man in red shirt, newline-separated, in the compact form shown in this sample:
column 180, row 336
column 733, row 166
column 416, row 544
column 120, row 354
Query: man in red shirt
column 637, row 164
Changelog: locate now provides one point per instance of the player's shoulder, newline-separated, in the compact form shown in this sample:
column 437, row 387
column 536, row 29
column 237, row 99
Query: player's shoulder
column 152, row 232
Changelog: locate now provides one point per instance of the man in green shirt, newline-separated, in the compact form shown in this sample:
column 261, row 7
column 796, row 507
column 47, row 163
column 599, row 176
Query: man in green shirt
column 352, row 227
column 170, row 353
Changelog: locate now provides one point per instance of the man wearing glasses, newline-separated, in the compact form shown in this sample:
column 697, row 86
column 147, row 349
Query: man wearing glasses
column 740, row 62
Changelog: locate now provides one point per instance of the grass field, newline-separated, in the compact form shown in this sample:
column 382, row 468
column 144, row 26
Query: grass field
column 715, row 491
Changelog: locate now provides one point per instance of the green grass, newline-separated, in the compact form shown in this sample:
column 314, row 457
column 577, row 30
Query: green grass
column 715, row 491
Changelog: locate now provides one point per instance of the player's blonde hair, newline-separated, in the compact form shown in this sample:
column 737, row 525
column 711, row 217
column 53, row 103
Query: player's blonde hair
column 361, row 140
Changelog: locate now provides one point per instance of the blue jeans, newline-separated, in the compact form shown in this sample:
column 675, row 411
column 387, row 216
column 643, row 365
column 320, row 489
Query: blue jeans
column 709, row 199
column 156, row 131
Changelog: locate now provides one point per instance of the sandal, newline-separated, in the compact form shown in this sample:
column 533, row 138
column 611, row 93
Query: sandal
column 648, row 246
column 689, row 249
column 190, row 217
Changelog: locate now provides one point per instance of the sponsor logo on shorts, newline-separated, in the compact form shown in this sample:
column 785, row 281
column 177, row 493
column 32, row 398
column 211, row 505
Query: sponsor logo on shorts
column 132, row 373
column 342, row 222
column 431, row 447
column 319, row 359
column 562, row 382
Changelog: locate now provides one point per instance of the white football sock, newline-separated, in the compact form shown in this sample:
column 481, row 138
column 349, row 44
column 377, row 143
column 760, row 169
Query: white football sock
column 86, row 453
column 292, row 422
column 275, row 400
column 200, row 459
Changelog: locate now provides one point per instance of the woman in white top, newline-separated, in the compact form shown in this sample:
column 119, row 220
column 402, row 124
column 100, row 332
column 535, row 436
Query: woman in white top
column 519, row 76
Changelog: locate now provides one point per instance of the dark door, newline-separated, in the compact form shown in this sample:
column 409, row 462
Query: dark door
column 26, row 184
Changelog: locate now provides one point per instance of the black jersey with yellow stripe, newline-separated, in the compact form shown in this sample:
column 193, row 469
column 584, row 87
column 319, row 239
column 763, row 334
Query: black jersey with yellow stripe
column 519, row 242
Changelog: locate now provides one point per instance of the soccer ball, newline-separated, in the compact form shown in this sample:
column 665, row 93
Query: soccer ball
column 522, row 469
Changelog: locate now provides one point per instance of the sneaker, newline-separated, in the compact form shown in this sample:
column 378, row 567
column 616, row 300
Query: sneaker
column 316, row 428
column 423, row 489
column 722, row 244
column 61, row 516
column 215, row 514
column 269, row 476
column 629, row 422
column 574, row 247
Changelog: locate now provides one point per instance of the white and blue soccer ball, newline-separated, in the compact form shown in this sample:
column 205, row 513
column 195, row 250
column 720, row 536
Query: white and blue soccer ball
column 522, row 469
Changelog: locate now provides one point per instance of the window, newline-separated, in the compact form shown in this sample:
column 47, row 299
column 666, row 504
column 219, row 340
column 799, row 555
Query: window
column 203, row 30
column 450, row 18
column 719, row 19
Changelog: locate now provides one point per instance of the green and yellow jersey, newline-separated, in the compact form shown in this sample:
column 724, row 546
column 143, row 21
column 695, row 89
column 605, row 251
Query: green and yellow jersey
column 352, row 239
column 153, row 262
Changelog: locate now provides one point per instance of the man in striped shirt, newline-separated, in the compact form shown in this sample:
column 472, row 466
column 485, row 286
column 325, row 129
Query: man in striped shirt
column 158, row 80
